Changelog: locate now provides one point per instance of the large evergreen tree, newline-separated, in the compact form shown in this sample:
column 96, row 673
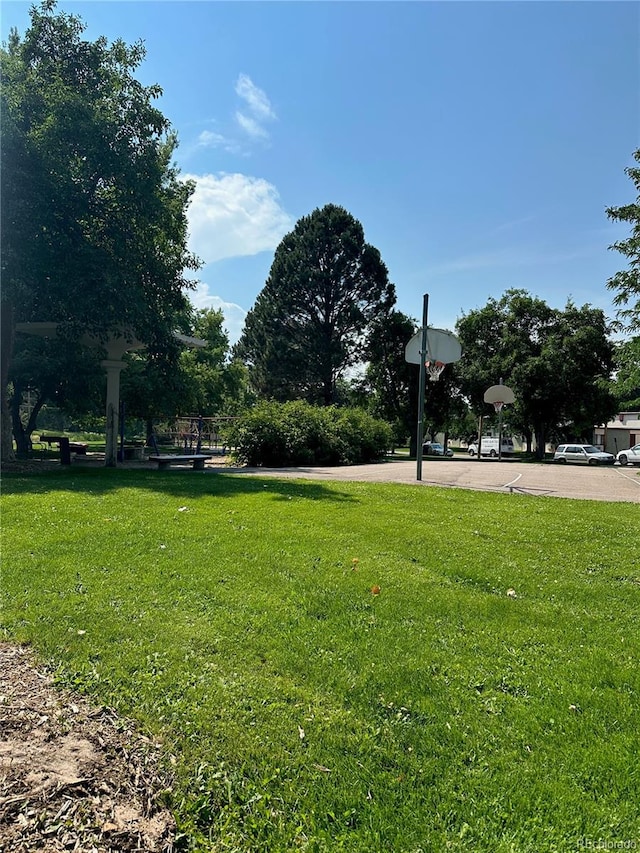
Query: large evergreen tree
column 309, row 323
column 93, row 212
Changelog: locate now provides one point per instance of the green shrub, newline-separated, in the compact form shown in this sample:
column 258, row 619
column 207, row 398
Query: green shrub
column 365, row 438
column 297, row 433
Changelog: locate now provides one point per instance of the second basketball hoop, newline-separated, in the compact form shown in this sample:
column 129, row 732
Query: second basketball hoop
column 498, row 395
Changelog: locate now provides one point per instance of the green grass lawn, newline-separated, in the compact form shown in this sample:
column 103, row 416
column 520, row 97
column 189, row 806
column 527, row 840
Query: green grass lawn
column 346, row 666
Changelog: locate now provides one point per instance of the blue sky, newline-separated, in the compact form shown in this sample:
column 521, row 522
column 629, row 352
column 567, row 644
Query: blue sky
column 478, row 143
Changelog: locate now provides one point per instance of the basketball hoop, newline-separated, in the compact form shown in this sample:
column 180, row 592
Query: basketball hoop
column 498, row 396
column 440, row 346
column 434, row 369
column 430, row 349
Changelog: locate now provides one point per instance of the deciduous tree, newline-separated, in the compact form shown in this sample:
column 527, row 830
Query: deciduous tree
column 392, row 382
column 93, row 211
column 627, row 282
column 55, row 371
column 214, row 384
column 446, row 409
column 627, row 384
column 558, row 363
column 180, row 380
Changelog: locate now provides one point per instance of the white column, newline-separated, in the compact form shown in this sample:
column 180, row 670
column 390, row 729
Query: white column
column 113, row 368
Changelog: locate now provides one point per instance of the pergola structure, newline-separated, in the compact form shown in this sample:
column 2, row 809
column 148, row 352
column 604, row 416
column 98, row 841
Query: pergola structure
column 115, row 346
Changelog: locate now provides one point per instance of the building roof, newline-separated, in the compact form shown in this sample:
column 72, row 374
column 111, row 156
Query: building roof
column 623, row 420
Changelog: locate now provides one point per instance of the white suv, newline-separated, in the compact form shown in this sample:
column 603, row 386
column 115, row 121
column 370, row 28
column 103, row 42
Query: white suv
column 583, row 453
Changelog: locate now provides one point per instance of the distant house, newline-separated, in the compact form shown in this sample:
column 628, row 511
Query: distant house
column 620, row 433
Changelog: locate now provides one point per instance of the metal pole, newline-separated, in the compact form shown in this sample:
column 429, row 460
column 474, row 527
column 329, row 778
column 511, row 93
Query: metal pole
column 199, row 444
column 500, row 429
column 421, row 387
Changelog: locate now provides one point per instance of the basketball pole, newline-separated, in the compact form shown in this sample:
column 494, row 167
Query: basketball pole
column 500, row 428
column 422, row 380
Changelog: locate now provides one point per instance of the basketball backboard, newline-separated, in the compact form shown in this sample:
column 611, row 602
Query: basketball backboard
column 442, row 346
column 499, row 394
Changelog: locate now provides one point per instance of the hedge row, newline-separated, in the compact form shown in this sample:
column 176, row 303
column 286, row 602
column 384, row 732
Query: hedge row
column 296, row 433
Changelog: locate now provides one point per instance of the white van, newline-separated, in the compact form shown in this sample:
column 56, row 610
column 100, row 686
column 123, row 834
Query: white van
column 490, row 446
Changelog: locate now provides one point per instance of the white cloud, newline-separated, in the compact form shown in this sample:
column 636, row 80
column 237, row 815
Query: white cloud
column 249, row 123
column 251, row 126
column 257, row 101
column 234, row 315
column 234, row 215
column 258, row 108
column 211, row 139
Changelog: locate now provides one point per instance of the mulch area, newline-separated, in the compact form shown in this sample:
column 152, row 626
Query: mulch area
column 73, row 777
column 28, row 466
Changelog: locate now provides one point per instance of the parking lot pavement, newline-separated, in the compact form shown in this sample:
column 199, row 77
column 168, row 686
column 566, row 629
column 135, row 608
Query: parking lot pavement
column 608, row 483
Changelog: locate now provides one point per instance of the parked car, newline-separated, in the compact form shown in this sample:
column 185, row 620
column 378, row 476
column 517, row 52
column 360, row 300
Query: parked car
column 491, row 446
column 434, row 448
column 583, row 453
column 630, row 456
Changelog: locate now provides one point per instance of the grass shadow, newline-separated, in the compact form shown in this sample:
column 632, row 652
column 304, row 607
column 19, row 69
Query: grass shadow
column 187, row 484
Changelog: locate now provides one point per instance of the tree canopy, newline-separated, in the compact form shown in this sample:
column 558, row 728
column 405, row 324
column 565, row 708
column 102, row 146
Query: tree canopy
column 93, row 214
column 308, row 325
column 193, row 381
column 627, row 384
column 391, row 382
column 558, row 363
column 627, row 282
column 214, row 384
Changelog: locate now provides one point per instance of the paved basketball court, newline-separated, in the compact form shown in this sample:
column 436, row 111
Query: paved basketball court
column 610, row 483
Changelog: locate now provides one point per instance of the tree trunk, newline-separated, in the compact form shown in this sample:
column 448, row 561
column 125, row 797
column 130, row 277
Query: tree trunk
column 22, row 432
column 23, row 445
column 328, row 391
column 7, row 334
column 529, row 439
column 540, row 441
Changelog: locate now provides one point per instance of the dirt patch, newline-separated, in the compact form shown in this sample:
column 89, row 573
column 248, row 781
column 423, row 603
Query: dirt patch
column 73, row 776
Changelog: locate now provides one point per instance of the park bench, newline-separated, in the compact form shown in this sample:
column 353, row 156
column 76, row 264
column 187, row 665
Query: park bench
column 66, row 446
column 165, row 461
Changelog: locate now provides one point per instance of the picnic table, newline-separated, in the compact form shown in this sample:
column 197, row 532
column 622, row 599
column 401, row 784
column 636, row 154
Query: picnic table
column 67, row 447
